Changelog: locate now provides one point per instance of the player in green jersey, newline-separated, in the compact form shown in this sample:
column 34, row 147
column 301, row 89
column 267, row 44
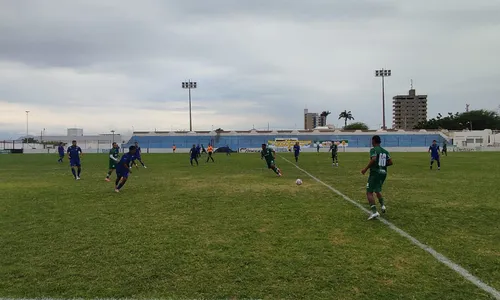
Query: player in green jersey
column 114, row 154
column 270, row 155
column 334, row 148
column 380, row 159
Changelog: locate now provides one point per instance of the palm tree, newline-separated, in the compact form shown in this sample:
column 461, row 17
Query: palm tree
column 218, row 132
column 323, row 116
column 346, row 115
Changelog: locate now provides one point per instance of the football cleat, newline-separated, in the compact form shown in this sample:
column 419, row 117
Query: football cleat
column 374, row 216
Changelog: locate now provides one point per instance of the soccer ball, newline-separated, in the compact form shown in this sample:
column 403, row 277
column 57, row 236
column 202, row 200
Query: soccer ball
column 298, row 181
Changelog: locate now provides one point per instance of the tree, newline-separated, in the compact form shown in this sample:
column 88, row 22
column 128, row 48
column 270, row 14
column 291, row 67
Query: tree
column 346, row 115
column 30, row 141
column 356, row 126
column 56, row 143
column 218, row 132
column 323, row 116
column 472, row 120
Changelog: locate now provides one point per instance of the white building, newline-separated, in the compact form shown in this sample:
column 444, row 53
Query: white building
column 75, row 132
column 88, row 143
column 476, row 138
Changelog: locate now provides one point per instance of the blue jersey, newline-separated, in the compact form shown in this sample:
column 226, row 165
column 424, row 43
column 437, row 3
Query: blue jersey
column 132, row 158
column 193, row 152
column 137, row 152
column 124, row 163
column 198, row 149
column 434, row 151
column 60, row 149
column 74, row 152
column 296, row 149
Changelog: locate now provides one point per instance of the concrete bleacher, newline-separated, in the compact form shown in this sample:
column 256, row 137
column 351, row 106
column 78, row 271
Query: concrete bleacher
column 237, row 140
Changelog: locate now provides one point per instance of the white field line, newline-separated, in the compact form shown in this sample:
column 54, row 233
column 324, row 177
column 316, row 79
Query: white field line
column 440, row 257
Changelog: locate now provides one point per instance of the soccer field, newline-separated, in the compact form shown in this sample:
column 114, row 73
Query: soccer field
column 233, row 229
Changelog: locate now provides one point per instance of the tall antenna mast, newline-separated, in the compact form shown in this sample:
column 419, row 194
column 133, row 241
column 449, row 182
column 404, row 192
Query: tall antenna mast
column 411, row 84
column 467, row 107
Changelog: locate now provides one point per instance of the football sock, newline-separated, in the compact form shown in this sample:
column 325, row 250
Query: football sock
column 120, row 185
column 373, row 208
column 73, row 171
column 381, row 201
column 79, row 171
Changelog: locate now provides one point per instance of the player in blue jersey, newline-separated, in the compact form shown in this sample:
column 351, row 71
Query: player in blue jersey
column 193, row 155
column 123, row 168
column 137, row 155
column 198, row 151
column 74, row 153
column 434, row 151
column 296, row 151
column 60, row 150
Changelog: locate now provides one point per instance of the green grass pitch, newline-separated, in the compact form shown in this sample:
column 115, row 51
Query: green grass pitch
column 232, row 229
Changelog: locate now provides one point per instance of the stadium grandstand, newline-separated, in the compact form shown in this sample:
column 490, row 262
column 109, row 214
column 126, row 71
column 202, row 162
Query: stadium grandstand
column 252, row 139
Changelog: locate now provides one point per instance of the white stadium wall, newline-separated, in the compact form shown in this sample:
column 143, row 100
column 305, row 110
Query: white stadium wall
column 357, row 141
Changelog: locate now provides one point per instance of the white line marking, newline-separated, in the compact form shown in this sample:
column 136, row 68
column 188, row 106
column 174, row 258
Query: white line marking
column 440, row 257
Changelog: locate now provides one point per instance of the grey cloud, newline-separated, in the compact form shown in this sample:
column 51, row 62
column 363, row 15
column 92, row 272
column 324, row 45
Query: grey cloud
column 293, row 10
column 78, row 34
column 268, row 53
column 82, row 44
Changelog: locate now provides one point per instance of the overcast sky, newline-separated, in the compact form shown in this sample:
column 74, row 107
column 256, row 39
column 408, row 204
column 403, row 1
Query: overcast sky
column 118, row 64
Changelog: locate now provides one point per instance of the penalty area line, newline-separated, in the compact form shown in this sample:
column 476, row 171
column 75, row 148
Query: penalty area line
column 438, row 256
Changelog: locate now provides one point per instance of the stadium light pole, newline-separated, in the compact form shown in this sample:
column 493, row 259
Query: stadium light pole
column 27, row 112
column 189, row 85
column 383, row 73
column 113, row 132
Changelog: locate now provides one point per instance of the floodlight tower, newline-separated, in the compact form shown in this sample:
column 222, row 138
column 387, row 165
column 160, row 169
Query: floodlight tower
column 189, row 85
column 383, row 73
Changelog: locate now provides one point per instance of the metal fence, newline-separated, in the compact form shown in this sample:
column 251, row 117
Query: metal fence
column 236, row 142
column 9, row 145
column 88, row 146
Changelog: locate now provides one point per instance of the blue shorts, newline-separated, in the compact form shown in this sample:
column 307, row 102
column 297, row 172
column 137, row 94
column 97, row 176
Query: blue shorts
column 434, row 158
column 297, row 154
column 75, row 163
column 122, row 173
